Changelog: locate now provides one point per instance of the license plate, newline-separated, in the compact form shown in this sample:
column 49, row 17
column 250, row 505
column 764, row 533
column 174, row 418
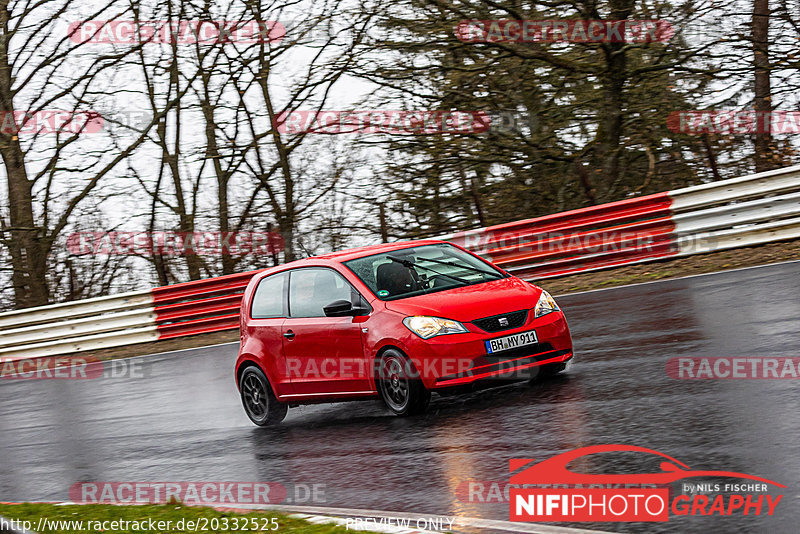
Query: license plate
column 511, row 342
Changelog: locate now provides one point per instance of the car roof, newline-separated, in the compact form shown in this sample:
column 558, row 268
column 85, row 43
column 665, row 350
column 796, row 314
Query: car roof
column 360, row 252
column 344, row 255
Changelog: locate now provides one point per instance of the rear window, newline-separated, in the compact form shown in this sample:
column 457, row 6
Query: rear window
column 268, row 300
column 311, row 289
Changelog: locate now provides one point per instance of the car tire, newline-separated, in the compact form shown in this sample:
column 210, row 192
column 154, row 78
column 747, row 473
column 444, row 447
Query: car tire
column 548, row 371
column 260, row 403
column 399, row 384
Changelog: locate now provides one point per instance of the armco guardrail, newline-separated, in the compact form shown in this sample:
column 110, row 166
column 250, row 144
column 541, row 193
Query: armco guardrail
column 198, row 307
column 732, row 213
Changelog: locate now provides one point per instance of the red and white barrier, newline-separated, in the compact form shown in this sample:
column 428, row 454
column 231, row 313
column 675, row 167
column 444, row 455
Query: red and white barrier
column 733, row 213
column 743, row 211
column 186, row 309
column 595, row 237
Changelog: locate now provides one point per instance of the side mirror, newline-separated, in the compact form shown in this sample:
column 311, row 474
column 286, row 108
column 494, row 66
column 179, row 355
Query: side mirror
column 343, row 308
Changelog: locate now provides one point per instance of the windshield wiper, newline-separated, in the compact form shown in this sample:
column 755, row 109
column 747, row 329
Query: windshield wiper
column 467, row 267
column 410, row 265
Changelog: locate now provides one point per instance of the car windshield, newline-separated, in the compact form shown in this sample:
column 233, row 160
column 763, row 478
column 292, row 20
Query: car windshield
column 419, row 270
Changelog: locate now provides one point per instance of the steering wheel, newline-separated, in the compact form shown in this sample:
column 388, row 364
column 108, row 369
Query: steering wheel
column 437, row 280
column 424, row 281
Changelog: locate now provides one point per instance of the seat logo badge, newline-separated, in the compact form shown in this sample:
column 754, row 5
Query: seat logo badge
column 503, row 321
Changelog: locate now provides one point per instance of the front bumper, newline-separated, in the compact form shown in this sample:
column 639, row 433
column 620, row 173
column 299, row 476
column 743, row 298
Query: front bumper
column 510, row 367
column 461, row 359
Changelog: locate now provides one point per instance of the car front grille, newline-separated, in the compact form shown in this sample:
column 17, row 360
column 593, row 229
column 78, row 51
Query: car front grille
column 495, row 323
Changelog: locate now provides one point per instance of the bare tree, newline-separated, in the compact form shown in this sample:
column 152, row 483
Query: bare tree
column 47, row 69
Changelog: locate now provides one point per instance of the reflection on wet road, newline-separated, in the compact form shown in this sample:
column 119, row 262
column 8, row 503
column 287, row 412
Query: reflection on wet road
column 184, row 422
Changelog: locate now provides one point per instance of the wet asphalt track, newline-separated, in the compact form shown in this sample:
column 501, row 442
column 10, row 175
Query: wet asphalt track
column 185, row 422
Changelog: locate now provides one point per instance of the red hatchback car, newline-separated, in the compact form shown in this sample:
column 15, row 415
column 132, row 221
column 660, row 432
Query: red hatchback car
column 395, row 321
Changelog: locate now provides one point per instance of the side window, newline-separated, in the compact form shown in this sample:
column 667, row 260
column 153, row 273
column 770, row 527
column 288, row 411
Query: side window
column 268, row 299
column 310, row 290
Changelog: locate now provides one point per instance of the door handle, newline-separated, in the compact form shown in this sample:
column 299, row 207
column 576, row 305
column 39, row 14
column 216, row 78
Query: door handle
column 288, row 335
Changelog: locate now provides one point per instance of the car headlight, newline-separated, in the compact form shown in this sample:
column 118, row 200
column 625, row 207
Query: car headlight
column 545, row 305
column 428, row 327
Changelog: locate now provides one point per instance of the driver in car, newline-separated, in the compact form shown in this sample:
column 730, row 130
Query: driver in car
column 397, row 278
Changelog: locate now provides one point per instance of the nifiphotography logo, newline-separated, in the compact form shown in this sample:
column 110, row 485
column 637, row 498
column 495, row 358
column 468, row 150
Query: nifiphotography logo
column 565, row 495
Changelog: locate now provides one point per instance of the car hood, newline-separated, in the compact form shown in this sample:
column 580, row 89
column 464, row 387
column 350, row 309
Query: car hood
column 472, row 302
